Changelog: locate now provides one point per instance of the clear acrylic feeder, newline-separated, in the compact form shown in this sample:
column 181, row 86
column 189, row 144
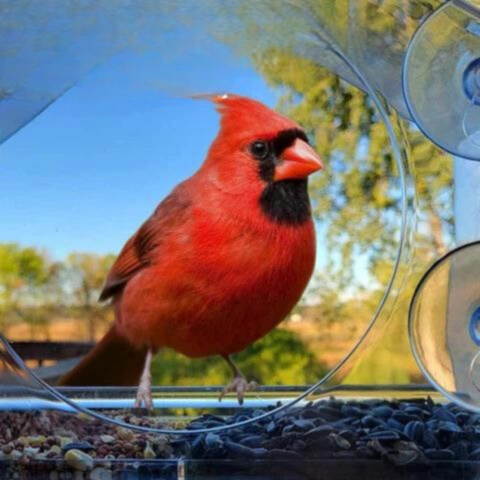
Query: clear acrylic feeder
column 375, row 373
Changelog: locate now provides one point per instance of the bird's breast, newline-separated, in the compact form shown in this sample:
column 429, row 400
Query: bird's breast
column 243, row 255
column 223, row 286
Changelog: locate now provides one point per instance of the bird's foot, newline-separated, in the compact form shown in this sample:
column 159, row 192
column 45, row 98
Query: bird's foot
column 144, row 397
column 240, row 386
column 144, row 390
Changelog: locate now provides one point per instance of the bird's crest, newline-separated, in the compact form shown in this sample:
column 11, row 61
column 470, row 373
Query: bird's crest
column 245, row 115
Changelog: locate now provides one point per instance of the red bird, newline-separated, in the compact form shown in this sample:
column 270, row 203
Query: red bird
column 221, row 261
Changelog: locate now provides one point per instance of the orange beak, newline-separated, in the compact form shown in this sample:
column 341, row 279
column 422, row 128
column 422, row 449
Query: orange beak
column 298, row 161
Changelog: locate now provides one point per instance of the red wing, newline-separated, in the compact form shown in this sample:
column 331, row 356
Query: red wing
column 126, row 265
column 135, row 255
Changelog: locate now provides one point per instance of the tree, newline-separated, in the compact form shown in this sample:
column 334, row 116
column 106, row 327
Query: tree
column 86, row 274
column 25, row 273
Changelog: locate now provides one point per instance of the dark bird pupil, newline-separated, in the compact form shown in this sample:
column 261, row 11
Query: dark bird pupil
column 259, row 149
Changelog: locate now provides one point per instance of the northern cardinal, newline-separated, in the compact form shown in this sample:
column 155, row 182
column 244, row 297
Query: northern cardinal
column 221, row 261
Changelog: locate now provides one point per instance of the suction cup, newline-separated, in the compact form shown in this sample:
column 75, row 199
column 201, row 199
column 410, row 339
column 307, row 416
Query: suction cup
column 441, row 79
column 444, row 325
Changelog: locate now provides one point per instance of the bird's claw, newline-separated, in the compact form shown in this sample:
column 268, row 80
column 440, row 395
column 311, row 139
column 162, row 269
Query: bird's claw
column 240, row 386
column 144, row 398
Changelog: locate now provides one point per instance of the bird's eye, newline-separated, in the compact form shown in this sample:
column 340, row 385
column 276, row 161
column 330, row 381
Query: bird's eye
column 259, row 149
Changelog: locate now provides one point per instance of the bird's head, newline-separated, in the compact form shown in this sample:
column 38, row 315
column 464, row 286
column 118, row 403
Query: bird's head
column 261, row 138
column 258, row 152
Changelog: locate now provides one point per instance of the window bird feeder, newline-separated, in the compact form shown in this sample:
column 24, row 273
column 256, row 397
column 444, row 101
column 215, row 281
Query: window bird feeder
column 418, row 63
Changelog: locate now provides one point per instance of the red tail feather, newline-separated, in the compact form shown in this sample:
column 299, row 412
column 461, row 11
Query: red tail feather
column 112, row 362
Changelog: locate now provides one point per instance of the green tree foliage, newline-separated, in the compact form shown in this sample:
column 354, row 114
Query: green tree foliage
column 21, row 268
column 25, row 273
column 280, row 358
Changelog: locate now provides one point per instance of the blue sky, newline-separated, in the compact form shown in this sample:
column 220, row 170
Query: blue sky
column 88, row 171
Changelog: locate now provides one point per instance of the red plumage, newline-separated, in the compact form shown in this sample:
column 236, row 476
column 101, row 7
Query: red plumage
column 211, row 271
